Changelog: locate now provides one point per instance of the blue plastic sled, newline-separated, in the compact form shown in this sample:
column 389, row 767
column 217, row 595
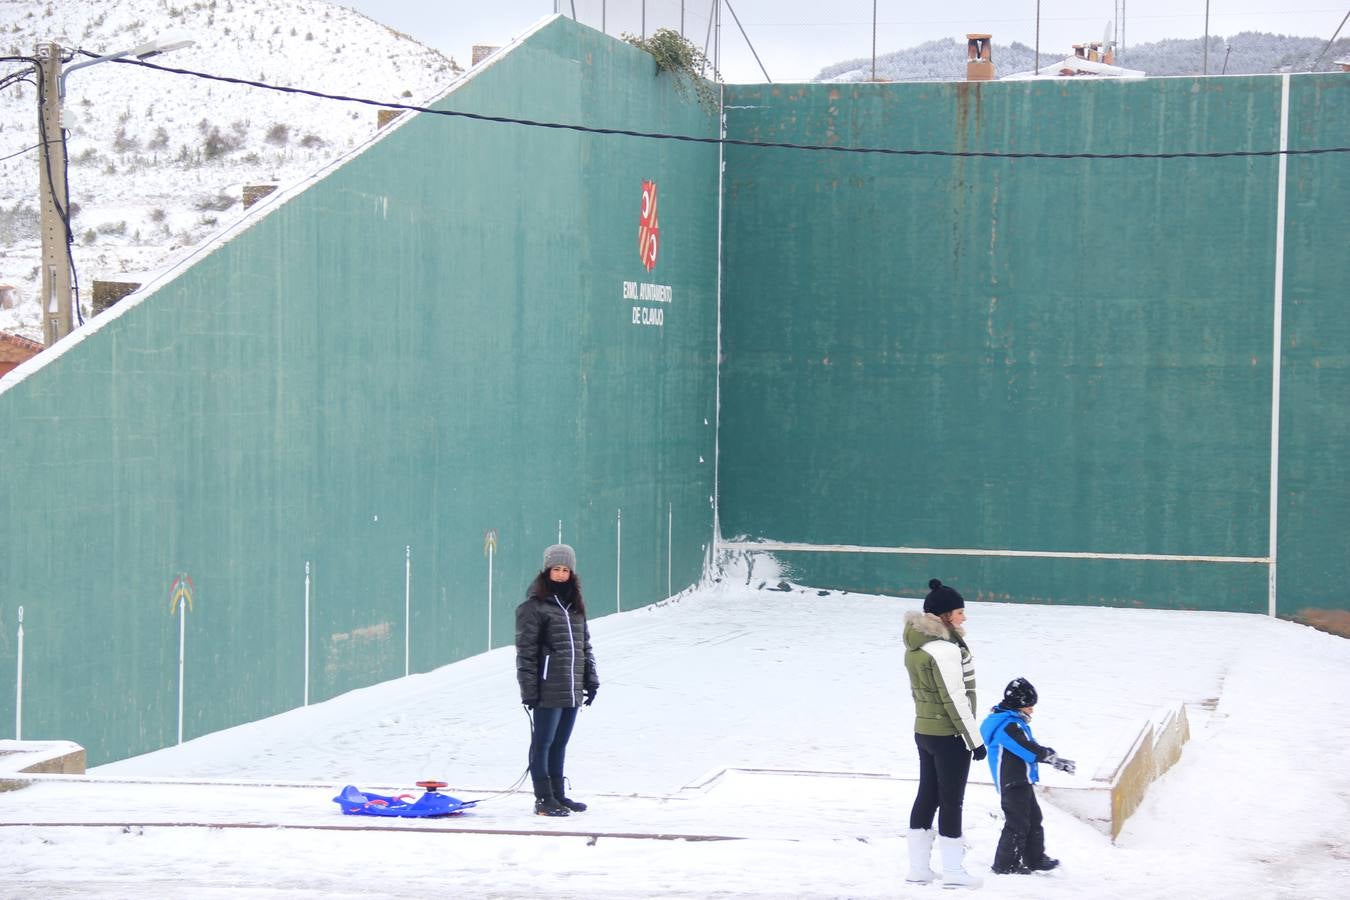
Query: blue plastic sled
column 356, row 802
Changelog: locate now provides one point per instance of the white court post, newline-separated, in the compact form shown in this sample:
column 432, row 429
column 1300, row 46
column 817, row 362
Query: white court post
column 618, row 562
column 180, row 603
column 182, row 657
column 1277, row 344
column 306, row 632
column 670, row 538
column 18, row 686
column 407, row 610
column 490, row 551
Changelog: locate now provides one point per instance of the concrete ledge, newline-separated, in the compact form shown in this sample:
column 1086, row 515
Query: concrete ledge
column 1119, row 786
column 38, row 758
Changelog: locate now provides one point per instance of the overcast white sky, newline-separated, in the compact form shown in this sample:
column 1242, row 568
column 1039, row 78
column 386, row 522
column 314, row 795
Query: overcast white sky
column 795, row 39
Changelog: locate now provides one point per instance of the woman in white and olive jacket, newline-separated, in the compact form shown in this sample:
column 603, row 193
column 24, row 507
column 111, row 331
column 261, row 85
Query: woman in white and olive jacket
column 942, row 681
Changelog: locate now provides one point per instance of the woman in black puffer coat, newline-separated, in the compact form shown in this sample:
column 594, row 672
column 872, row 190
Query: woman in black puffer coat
column 556, row 670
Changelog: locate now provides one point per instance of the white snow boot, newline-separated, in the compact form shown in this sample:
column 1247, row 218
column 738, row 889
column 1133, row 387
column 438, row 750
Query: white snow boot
column 920, row 854
column 954, row 874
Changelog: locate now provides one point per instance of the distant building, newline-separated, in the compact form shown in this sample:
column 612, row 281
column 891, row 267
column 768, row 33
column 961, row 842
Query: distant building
column 1091, row 60
column 15, row 350
column 1076, row 67
column 1343, row 63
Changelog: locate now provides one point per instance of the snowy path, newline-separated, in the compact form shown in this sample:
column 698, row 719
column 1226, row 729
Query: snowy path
column 779, row 719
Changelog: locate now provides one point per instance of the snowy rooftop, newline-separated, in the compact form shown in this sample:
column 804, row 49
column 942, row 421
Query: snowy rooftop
column 1076, row 67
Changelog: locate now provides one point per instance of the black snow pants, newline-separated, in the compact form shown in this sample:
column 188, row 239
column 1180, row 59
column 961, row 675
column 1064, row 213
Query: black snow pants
column 1023, row 838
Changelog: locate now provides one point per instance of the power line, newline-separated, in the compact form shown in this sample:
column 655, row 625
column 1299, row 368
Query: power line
column 694, row 139
column 21, row 152
column 1334, row 35
column 18, row 74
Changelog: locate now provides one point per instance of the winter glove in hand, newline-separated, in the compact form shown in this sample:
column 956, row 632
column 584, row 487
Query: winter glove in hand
column 530, row 704
column 590, row 695
column 1064, row 765
column 981, row 752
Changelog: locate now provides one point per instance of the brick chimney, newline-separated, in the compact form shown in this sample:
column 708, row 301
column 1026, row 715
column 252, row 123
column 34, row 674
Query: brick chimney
column 979, row 63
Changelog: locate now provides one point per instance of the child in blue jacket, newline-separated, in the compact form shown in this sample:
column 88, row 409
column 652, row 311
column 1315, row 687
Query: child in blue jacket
column 1013, row 758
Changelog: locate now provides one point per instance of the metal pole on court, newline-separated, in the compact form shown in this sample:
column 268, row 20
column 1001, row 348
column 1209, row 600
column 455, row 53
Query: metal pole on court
column 18, row 686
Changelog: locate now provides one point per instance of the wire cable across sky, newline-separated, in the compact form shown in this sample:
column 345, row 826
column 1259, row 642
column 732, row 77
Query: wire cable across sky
column 737, row 142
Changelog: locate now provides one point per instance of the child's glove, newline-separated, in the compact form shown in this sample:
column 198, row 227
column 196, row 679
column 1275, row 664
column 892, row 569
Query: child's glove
column 980, row 753
column 1064, row 765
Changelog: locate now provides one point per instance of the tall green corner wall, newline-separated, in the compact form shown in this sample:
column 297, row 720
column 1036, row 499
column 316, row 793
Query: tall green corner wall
column 984, row 357
column 301, row 460
column 422, row 366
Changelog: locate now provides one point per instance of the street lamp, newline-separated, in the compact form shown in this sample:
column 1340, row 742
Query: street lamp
column 144, row 51
column 55, row 204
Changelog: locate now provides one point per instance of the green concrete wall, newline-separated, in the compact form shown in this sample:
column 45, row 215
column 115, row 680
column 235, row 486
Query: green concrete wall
column 959, row 353
column 1314, row 523
column 934, row 359
column 429, row 343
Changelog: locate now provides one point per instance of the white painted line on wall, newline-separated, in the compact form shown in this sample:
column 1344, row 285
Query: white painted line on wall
column 768, row 546
column 1277, row 338
column 716, row 497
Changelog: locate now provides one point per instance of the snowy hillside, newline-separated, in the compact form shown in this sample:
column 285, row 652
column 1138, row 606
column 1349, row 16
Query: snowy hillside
column 157, row 161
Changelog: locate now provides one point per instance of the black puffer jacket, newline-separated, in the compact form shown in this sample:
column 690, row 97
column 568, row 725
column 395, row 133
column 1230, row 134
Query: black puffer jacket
column 554, row 661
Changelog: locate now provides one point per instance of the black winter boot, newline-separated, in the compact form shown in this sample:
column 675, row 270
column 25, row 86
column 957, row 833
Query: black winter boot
column 558, row 794
column 1008, row 857
column 1034, row 854
column 545, row 804
column 1013, row 868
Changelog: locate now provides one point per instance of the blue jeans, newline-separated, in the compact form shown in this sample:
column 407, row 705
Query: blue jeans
column 548, row 744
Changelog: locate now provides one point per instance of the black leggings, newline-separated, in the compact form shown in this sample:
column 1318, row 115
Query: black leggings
column 944, row 766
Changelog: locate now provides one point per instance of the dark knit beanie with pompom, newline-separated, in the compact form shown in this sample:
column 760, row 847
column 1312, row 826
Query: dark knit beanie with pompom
column 942, row 599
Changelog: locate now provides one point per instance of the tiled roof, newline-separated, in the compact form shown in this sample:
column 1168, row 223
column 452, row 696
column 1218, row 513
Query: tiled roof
column 14, row 348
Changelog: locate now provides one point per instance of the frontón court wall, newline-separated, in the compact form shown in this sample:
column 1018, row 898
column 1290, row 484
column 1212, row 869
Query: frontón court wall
column 446, row 349
column 423, row 363
column 1042, row 380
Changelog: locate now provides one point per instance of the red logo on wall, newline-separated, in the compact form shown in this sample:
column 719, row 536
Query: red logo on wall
column 649, row 228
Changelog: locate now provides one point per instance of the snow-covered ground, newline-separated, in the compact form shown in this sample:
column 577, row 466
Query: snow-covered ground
column 779, row 720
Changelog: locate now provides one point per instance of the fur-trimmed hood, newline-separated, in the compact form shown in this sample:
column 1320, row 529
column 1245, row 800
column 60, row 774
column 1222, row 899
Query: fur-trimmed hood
column 922, row 627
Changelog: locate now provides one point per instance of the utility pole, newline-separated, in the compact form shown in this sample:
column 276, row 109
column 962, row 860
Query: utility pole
column 57, row 298
column 874, row 40
column 56, row 295
column 1038, row 37
column 1205, row 69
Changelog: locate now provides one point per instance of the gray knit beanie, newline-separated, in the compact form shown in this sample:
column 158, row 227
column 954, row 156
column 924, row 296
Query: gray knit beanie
column 560, row 555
